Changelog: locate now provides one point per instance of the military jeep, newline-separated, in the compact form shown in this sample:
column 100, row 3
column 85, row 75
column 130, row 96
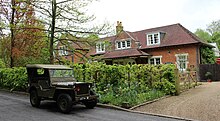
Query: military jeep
column 57, row 82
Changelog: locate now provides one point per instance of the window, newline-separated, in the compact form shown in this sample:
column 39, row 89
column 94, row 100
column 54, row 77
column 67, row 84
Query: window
column 156, row 39
column 123, row 44
column 155, row 60
column 118, row 45
column 153, row 39
column 100, row 47
column 182, row 61
column 128, row 43
column 152, row 61
column 63, row 50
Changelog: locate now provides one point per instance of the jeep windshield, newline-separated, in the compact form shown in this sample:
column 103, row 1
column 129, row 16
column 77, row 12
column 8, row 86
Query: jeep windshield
column 56, row 73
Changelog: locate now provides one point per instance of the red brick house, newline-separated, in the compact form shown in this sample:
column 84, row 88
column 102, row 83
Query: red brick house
column 75, row 52
column 162, row 45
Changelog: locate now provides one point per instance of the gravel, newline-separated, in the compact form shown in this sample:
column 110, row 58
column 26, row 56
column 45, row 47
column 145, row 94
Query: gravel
column 201, row 103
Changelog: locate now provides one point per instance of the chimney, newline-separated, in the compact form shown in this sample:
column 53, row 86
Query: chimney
column 119, row 27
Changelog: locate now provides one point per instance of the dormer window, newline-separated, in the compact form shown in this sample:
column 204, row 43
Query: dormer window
column 123, row 44
column 153, row 39
column 100, row 47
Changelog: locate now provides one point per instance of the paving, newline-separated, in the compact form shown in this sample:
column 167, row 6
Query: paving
column 201, row 103
column 16, row 107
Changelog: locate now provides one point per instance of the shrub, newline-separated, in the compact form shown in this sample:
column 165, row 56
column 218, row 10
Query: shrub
column 115, row 84
column 2, row 64
column 132, row 84
column 13, row 78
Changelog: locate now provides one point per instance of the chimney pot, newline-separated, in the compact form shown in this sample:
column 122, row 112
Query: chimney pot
column 119, row 27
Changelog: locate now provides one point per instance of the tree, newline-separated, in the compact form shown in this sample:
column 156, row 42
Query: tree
column 23, row 29
column 214, row 27
column 202, row 34
column 208, row 56
column 31, row 43
column 67, row 17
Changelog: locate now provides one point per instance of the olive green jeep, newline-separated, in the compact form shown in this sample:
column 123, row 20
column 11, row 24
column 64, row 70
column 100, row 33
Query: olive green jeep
column 56, row 82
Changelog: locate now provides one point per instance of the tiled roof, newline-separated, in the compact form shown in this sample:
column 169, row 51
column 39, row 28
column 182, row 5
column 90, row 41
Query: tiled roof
column 124, row 53
column 174, row 34
column 80, row 45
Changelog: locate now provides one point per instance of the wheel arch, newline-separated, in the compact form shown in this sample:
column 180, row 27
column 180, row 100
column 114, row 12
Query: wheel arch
column 62, row 91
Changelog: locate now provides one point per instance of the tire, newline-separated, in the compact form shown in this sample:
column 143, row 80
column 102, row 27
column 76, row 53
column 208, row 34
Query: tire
column 64, row 103
column 90, row 104
column 34, row 98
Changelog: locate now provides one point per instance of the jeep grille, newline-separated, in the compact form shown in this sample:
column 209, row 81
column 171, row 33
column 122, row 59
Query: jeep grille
column 82, row 89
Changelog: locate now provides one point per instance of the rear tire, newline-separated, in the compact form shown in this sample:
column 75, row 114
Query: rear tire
column 34, row 98
column 64, row 103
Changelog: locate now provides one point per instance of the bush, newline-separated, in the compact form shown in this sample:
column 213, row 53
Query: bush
column 13, row 78
column 115, row 84
column 132, row 84
column 2, row 64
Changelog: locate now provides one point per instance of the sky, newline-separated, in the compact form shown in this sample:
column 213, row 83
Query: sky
column 138, row 15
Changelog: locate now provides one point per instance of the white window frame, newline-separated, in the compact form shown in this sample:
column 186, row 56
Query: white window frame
column 153, row 39
column 100, row 47
column 120, row 43
column 155, row 57
column 186, row 61
column 63, row 50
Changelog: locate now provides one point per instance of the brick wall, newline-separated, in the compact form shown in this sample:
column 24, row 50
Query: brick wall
column 168, row 54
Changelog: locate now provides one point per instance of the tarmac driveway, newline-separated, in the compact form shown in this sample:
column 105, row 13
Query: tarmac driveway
column 201, row 103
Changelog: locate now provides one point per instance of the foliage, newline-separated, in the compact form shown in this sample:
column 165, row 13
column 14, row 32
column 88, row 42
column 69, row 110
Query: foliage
column 202, row 34
column 214, row 27
column 208, row 56
column 5, row 50
column 67, row 17
column 210, row 35
column 133, row 84
column 25, row 43
column 13, row 78
column 115, row 84
column 2, row 64
column 216, row 38
column 208, row 75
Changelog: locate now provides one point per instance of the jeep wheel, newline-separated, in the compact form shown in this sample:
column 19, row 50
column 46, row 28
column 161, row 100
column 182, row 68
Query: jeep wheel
column 90, row 104
column 34, row 99
column 64, row 102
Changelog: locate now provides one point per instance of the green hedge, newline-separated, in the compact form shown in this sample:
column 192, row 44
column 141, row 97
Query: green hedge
column 132, row 84
column 115, row 84
column 13, row 78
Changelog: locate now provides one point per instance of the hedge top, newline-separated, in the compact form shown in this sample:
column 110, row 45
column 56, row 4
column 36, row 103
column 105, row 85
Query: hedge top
column 47, row 66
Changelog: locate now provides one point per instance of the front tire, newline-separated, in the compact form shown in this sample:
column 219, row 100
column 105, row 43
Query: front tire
column 34, row 98
column 64, row 103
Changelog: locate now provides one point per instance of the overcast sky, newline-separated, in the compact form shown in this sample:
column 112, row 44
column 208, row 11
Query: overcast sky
column 137, row 15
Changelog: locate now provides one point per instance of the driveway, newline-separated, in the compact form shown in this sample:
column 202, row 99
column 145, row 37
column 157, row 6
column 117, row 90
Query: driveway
column 16, row 107
column 201, row 103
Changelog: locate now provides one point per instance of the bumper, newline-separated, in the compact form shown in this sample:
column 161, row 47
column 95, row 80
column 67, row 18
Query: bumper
column 86, row 98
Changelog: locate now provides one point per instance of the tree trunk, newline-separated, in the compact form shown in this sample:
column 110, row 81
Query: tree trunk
column 54, row 7
column 12, row 25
